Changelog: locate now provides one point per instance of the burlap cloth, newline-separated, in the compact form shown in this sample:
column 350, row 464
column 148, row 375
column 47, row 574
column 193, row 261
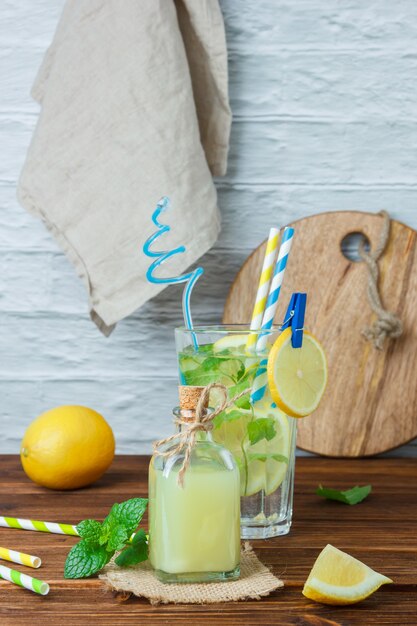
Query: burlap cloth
column 255, row 581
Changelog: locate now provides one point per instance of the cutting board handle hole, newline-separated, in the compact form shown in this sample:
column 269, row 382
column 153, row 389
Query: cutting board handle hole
column 350, row 246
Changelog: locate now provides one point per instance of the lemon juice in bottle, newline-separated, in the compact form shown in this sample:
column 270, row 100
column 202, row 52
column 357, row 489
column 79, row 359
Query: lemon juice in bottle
column 194, row 528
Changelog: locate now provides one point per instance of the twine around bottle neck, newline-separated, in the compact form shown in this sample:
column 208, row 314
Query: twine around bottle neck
column 203, row 421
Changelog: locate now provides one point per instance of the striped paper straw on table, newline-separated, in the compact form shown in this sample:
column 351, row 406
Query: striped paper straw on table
column 23, row 580
column 263, row 287
column 260, row 381
column 20, row 557
column 43, row 527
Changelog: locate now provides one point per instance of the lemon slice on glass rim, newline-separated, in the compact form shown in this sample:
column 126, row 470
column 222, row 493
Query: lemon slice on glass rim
column 297, row 377
column 338, row 578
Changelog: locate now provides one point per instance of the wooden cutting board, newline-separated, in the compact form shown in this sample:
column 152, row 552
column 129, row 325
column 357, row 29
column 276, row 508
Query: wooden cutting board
column 370, row 404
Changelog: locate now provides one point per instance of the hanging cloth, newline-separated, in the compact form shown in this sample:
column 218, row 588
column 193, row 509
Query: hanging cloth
column 134, row 106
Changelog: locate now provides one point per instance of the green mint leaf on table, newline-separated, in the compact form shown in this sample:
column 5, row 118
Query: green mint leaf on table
column 83, row 561
column 131, row 512
column 350, row 496
column 261, row 428
column 100, row 541
column 117, row 539
column 136, row 552
column 110, row 522
column 107, row 526
column 90, row 530
column 127, row 514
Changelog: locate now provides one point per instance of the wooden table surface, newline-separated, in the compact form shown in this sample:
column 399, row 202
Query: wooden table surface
column 381, row 531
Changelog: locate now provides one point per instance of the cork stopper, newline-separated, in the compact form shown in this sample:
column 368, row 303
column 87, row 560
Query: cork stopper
column 189, row 397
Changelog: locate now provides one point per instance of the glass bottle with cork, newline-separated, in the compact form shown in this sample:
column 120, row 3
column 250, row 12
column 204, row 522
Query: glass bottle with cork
column 194, row 499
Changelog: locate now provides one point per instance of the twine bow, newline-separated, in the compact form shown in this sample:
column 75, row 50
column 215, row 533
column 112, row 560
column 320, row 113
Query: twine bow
column 387, row 324
column 203, row 421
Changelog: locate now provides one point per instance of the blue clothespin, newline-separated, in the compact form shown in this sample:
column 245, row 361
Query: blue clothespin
column 294, row 317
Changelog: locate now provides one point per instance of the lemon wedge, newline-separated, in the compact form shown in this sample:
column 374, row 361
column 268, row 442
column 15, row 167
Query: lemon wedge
column 297, row 377
column 338, row 578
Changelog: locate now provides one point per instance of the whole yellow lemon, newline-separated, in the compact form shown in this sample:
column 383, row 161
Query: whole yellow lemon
column 67, row 447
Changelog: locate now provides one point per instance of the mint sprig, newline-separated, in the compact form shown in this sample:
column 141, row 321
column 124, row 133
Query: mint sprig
column 261, row 428
column 222, row 365
column 350, row 496
column 99, row 541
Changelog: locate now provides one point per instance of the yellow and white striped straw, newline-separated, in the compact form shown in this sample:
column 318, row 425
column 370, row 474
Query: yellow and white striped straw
column 23, row 580
column 43, row 527
column 20, row 557
column 263, row 287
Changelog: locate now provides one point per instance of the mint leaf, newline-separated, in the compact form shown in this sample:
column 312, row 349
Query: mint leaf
column 111, row 519
column 121, row 522
column 350, row 496
column 139, row 537
column 244, row 383
column 244, row 401
column 261, row 428
column 223, row 367
column 83, row 561
column 100, row 541
column 131, row 512
column 135, row 553
column 110, row 522
column 240, row 373
column 200, row 377
column 258, row 456
column 90, row 530
column 210, row 363
column 117, row 539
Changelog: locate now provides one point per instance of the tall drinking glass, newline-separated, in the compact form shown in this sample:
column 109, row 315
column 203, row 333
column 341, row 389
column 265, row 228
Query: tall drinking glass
column 259, row 435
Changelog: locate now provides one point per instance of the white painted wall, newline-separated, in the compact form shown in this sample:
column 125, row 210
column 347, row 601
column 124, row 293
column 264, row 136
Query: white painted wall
column 325, row 107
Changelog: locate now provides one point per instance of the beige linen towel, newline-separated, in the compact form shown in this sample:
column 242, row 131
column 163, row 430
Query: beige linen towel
column 134, row 106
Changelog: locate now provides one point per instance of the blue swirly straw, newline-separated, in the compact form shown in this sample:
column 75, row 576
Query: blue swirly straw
column 161, row 256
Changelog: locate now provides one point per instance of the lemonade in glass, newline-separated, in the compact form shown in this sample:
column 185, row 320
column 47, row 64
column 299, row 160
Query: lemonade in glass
column 260, row 436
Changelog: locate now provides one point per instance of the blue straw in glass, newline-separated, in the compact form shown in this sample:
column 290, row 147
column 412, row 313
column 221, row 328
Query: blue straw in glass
column 190, row 278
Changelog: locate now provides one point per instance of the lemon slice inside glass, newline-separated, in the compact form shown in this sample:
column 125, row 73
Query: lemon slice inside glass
column 338, row 578
column 264, row 464
column 297, row 377
column 233, row 343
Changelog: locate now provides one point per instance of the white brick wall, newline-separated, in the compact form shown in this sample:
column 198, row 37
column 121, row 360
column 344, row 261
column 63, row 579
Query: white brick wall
column 325, row 107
